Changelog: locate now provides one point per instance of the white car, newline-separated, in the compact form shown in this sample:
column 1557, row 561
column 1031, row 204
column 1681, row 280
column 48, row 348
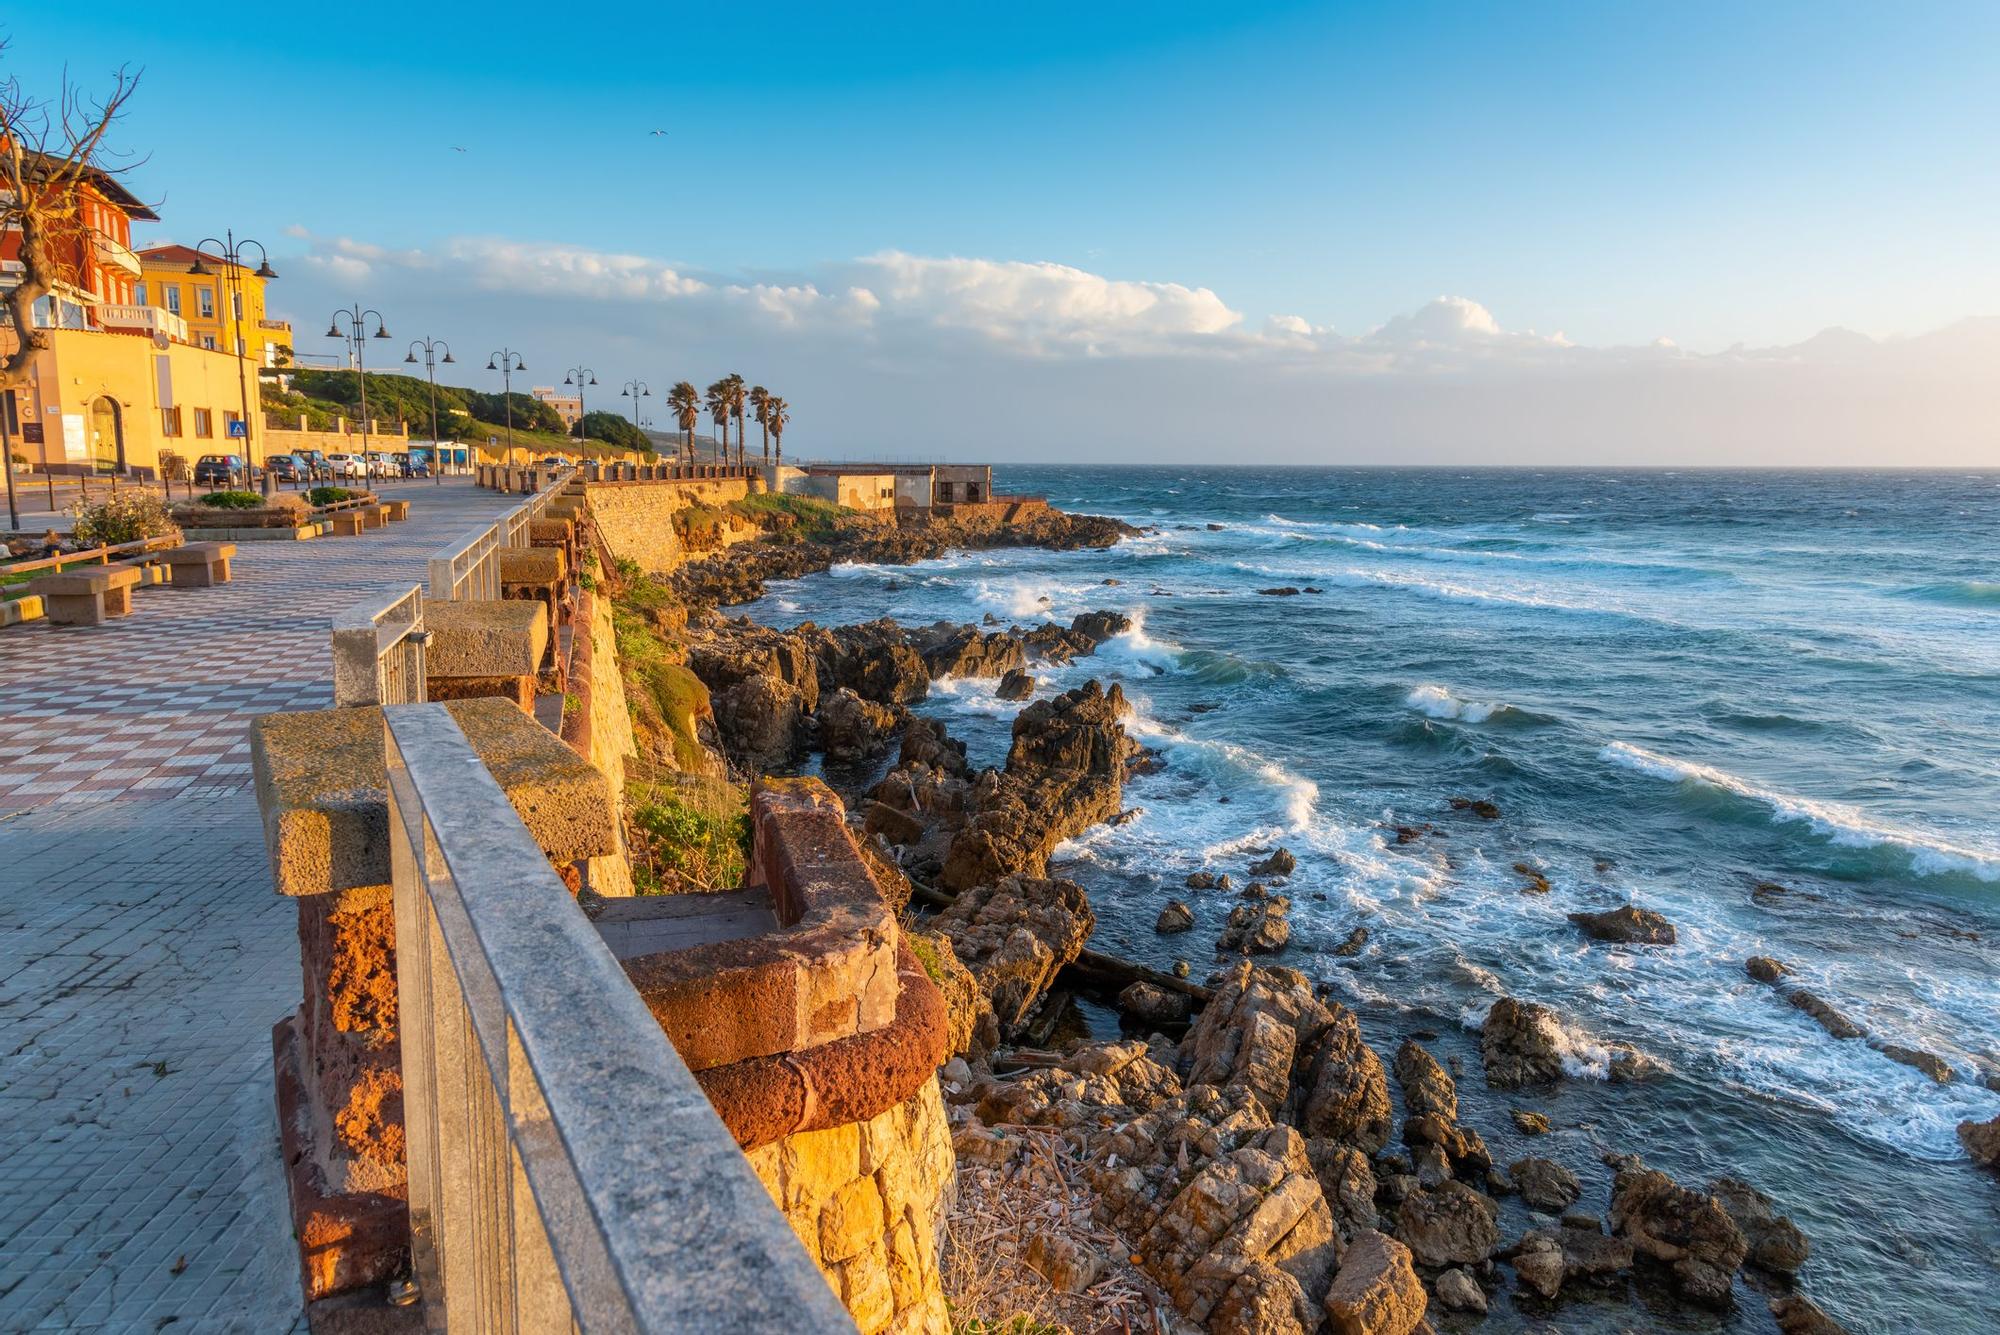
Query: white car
column 346, row 465
column 381, row 465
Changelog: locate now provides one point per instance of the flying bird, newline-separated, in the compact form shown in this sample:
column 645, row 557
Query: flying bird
column 456, row 149
column 657, row 133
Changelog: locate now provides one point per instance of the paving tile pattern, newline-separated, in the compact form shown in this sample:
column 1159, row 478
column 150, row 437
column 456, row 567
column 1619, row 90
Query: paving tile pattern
column 143, row 956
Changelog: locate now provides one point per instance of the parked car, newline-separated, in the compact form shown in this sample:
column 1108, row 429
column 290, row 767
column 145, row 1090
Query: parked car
column 286, row 468
column 381, row 465
column 219, row 470
column 345, row 466
column 419, row 466
column 315, row 464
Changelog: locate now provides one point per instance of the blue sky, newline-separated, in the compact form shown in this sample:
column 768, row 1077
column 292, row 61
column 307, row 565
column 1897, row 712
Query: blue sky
column 1714, row 174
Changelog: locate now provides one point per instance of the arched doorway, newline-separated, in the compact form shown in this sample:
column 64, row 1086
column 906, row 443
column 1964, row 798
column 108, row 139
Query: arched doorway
column 107, row 436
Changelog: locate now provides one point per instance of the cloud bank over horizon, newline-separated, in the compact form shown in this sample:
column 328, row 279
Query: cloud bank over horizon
column 904, row 354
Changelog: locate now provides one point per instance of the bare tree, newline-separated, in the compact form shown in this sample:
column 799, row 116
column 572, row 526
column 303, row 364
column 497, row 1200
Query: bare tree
column 51, row 150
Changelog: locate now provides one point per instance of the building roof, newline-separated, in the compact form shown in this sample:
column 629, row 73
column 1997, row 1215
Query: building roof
column 107, row 185
column 183, row 256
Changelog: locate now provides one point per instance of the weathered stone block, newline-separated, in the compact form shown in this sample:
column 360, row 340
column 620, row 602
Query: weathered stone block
column 851, row 1219
column 485, row 638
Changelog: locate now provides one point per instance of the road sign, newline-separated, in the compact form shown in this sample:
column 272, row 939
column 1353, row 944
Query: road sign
column 238, row 430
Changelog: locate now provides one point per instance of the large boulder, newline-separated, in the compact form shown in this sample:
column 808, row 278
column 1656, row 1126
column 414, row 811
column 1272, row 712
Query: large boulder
column 875, row 661
column 1687, row 1231
column 1016, row 684
column 1449, row 1224
column 1346, row 1093
column 1982, row 1142
column 761, row 722
column 1279, row 863
column 1797, row 1314
column 1545, row 1184
column 1522, row 1044
column 1627, row 925
column 852, row 729
column 1175, row 917
column 950, row 650
column 1014, row 936
column 1776, row 1243
column 1257, row 927
column 1426, row 1086
column 1376, row 1291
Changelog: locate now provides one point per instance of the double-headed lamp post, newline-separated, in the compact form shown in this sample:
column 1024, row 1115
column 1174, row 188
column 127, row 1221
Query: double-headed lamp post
column 506, row 362
column 431, row 360
column 579, row 376
column 230, row 252
column 356, row 319
column 635, row 390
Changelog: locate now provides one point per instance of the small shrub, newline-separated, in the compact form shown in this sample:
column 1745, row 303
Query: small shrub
column 329, row 495
column 689, row 832
column 783, row 515
column 231, row 500
column 125, row 517
column 628, row 568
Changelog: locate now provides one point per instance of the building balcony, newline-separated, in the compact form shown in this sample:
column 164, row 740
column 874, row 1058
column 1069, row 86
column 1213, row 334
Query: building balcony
column 117, row 254
column 140, row 320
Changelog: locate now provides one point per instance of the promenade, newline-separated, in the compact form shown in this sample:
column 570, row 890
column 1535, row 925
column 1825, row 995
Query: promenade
column 146, row 956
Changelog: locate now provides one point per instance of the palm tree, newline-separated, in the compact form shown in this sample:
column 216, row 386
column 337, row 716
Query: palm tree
column 718, row 409
column 734, row 389
column 777, row 416
column 685, row 400
column 759, row 396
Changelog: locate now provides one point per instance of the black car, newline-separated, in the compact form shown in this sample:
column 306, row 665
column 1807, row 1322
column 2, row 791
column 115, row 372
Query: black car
column 218, row 470
column 314, row 462
column 286, row 468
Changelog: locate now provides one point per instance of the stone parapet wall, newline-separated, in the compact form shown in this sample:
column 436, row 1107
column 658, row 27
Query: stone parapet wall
column 999, row 510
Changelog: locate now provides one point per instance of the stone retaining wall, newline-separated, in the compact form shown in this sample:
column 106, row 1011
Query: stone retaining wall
column 636, row 518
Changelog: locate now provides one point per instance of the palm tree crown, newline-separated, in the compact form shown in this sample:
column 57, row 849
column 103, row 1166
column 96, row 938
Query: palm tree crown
column 777, row 416
column 685, row 400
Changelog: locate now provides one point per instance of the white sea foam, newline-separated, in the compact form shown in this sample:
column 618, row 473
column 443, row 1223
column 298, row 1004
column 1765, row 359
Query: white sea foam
column 1840, row 824
column 1440, row 703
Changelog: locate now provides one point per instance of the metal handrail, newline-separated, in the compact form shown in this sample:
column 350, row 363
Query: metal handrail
column 378, row 650
column 468, row 569
column 565, row 1170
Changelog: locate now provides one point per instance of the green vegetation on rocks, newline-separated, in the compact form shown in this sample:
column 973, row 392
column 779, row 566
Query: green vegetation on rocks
column 805, row 517
column 690, row 832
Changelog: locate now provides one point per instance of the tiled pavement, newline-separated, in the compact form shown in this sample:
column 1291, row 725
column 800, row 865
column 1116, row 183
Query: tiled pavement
column 143, row 957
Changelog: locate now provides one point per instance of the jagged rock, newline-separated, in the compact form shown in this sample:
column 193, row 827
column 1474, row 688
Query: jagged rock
column 1449, row 1224
column 1829, row 1019
column 1545, row 1184
column 761, row 722
column 1223, row 882
column 1764, row 969
column 1432, row 1165
column 1426, row 1087
column 1069, row 1266
column 1200, row 880
column 925, row 742
column 1014, row 936
column 1280, row 863
column 1797, row 1314
column 1932, row 1065
column 1538, row 1261
column 1776, row 1244
column 969, row 1021
column 1588, row 1253
column 1348, row 1183
column 1981, row 1141
column 1521, row 1042
column 1346, row 1092
column 1151, row 1004
column 1459, row 1144
column 1460, row 1292
column 1175, row 917
column 1015, row 685
column 1688, row 1232
column 1352, row 946
column 852, row 729
column 1100, row 626
column 1264, row 1300
column 1479, row 807
column 1499, row 1182
column 1259, row 927
column 1529, row 1123
column 966, row 651
column 1065, row 773
column 1376, row 1291
column 1627, row 925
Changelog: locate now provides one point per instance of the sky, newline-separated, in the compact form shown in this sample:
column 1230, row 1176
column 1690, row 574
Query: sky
column 1316, row 233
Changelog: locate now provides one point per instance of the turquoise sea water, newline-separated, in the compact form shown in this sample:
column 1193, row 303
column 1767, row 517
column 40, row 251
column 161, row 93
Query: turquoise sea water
column 1676, row 685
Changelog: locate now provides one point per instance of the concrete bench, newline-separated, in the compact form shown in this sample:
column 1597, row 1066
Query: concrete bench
column 374, row 516
column 197, row 565
column 87, row 597
column 347, row 523
column 152, row 570
column 397, row 510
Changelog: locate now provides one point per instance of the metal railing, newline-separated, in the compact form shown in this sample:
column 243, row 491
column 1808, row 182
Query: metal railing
column 378, row 650
column 469, row 569
column 565, row 1170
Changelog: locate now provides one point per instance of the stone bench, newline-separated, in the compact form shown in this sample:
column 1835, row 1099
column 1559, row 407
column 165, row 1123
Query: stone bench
column 347, row 523
column 374, row 516
column 198, row 565
column 398, row 510
column 151, row 568
column 87, row 597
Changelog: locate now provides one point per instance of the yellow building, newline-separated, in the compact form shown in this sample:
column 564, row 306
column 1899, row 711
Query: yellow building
column 212, row 304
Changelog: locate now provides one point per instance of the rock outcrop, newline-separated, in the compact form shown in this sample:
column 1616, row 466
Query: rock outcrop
column 1776, row 1243
column 1014, row 936
column 1521, row 1042
column 1626, row 925
column 1257, row 927
column 1982, row 1142
column 852, row 729
column 1448, row 1224
column 1690, row 1233
column 1376, row 1291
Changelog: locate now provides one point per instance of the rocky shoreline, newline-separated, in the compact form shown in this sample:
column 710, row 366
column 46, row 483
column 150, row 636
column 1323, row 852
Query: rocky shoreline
column 1242, row 1139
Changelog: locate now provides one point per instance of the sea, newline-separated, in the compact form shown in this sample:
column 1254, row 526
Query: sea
column 1765, row 704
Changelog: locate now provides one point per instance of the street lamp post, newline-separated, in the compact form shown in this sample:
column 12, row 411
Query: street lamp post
column 579, row 376
column 636, row 390
column 431, row 359
column 356, row 319
column 506, row 362
column 230, row 252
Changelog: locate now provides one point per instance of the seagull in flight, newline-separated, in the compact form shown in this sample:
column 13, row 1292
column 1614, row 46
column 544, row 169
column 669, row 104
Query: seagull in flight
column 658, row 133
column 456, row 149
